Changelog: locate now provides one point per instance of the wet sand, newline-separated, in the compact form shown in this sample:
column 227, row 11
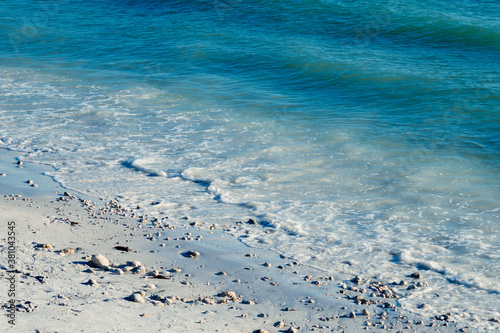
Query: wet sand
column 163, row 275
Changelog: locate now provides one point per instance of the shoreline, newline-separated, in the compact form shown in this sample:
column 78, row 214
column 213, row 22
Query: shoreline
column 193, row 276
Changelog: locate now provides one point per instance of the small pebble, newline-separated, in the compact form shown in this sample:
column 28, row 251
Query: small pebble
column 67, row 251
column 137, row 298
column 192, row 254
column 99, row 260
column 248, row 302
column 92, row 282
column 134, row 263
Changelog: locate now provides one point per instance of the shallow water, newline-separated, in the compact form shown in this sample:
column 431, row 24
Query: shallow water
column 366, row 133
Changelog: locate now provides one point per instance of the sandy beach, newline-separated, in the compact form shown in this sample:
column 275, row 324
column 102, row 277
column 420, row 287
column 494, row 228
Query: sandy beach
column 87, row 264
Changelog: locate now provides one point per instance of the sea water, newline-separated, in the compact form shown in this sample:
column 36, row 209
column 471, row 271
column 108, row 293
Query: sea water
column 362, row 136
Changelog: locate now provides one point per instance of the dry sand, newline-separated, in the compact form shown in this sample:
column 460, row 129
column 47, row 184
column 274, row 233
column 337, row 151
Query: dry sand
column 170, row 275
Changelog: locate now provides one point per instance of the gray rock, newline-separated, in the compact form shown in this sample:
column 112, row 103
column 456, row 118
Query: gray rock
column 139, row 270
column 91, row 282
column 357, row 280
column 99, row 260
column 192, row 254
column 137, row 298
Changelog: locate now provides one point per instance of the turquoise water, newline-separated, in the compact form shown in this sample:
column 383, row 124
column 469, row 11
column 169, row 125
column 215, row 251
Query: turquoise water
column 365, row 132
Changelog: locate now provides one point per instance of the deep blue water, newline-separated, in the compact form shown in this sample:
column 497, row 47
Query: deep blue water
column 329, row 121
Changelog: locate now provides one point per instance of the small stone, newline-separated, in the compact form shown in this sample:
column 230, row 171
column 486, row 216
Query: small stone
column 279, row 324
column 352, row 315
column 366, row 312
column 206, row 300
column 266, row 264
column 3, row 175
column 192, row 254
column 260, row 331
column 137, row 298
column 67, row 251
column 34, row 185
column 139, row 270
column 248, row 302
column 416, row 275
column 221, row 273
column 99, row 260
column 67, row 194
column 116, row 271
column 134, row 263
column 29, row 182
column 91, row 282
column 230, row 294
column 292, row 330
column 357, row 280
column 47, row 246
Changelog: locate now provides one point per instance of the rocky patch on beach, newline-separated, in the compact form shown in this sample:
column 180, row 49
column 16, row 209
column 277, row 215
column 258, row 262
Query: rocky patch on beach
column 183, row 266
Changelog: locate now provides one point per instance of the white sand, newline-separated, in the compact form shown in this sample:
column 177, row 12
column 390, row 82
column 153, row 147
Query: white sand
column 56, row 283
